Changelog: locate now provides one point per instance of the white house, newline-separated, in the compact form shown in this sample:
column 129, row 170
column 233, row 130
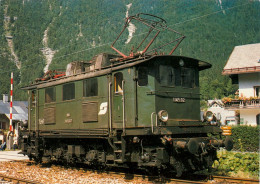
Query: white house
column 226, row 117
column 243, row 66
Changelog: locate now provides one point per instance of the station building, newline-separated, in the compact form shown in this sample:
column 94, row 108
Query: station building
column 20, row 113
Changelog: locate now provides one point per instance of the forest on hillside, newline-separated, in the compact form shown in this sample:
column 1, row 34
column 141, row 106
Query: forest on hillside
column 77, row 30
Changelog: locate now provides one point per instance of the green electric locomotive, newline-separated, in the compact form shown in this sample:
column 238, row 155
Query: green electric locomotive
column 140, row 110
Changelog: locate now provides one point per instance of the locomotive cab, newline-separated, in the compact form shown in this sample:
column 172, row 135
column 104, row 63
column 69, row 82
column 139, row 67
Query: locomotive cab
column 171, row 83
column 168, row 99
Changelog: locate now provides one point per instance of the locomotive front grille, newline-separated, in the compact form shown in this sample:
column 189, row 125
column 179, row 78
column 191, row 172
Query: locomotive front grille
column 49, row 115
column 90, row 112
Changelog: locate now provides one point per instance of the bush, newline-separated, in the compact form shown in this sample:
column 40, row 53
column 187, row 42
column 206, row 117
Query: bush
column 246, row 138
column 237, row 164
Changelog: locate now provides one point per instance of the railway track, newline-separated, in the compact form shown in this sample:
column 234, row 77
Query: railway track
column 222, row 179
column 108, row 175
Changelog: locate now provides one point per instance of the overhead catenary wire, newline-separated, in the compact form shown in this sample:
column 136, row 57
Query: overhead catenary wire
column 109, row 43
column 206, row 15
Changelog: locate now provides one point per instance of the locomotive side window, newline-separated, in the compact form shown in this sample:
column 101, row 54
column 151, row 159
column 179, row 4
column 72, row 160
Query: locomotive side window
column 118, row 78
column 142, row 76
column 90, row 87
column 68, row 91
column 50, row 95
column 167, row 75
column 33, row 99
column 187, row 77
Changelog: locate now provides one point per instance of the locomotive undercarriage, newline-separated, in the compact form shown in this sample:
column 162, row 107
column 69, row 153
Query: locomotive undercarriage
column 165, row 153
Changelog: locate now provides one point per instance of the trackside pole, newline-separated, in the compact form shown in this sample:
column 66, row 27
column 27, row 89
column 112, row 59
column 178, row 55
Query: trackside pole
column 10, row 133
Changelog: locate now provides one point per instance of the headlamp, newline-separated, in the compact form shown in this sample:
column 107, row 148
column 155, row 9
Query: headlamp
column 163, row 115
column 208, row 116
column 181, row 62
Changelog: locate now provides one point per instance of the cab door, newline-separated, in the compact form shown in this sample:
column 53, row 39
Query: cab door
column 118, row 97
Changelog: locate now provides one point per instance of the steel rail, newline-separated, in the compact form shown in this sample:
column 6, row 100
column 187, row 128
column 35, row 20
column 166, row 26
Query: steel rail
column 154, row 178
column 226, row 178
column 175, row 180
column 186, row 181
column 17, row 180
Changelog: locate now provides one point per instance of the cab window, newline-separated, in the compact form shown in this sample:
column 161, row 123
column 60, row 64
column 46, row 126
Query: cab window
column 187, row 77
column 167, row 75
column 33, row 98
column 177, row 76
column 142, row 76
column 90, row 87
column 68, row 91
column 50, row 95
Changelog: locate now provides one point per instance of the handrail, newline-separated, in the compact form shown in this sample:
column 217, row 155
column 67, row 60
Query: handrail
column 29, row 113
column 123, row 101
column 35, row 111
column 156, row 121
column 110, row 107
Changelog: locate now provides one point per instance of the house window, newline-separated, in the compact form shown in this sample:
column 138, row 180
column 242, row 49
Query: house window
column 118, row 79
column 90, row 87
column 68, row 91
column 257, row 91
column 50, row 95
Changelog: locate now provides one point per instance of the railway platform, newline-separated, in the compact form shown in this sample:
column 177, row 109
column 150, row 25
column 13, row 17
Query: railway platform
column 6, row 156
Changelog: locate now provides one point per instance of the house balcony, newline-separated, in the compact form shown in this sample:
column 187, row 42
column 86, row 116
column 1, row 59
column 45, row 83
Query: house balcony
column 242, row 104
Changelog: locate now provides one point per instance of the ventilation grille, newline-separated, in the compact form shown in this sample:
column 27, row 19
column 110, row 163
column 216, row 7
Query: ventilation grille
column 90, row 112
column 49, row 115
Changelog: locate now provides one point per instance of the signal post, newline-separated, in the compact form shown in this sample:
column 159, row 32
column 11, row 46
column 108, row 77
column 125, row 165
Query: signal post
column 10, row 133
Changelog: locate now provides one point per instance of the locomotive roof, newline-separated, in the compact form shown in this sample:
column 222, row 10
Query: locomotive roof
column 116, row 64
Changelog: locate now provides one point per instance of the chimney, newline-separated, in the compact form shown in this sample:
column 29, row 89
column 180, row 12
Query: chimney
column 5, row 98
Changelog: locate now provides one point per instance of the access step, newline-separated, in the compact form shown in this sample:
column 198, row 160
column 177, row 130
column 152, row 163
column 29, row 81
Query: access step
column 119, row 161
column 118, row 151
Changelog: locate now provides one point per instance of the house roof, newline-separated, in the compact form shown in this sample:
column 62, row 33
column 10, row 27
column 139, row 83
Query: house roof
column 20, row 110
column 218, row 102
column 243, row 59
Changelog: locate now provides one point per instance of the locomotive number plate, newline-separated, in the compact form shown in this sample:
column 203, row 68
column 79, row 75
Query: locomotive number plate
column 68, row 121
column 179, row 100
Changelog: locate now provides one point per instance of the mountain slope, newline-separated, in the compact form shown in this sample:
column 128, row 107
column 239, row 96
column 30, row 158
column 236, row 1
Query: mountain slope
column 62, row 31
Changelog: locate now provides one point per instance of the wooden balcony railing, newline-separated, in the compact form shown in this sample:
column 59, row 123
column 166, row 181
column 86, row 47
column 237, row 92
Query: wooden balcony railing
column 242, row 104
column 241, row 70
